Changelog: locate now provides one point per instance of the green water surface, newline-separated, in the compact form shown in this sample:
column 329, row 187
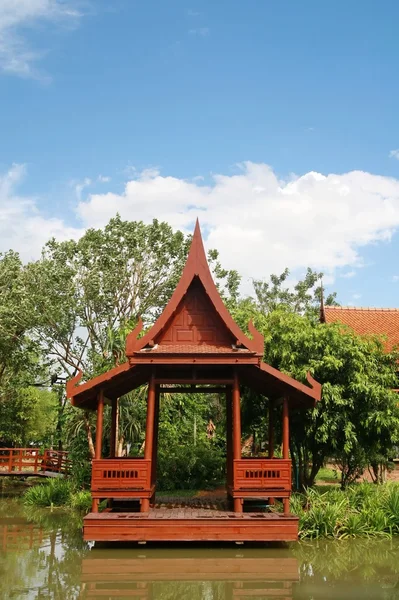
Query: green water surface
column 43, row 556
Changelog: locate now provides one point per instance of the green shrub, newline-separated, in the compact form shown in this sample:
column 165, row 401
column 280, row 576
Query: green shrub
column 54, row 492
column 81, row 500
column 360, row 510
column 190, row 467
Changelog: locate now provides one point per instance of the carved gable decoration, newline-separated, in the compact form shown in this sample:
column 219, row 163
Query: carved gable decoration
column 195, row 318
column 196, row 323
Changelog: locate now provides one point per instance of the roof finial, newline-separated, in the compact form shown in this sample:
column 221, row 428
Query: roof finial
column 322, row 309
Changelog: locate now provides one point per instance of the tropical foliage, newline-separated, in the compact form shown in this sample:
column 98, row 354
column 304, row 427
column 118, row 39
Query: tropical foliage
column 362, row 510
column 73, row 308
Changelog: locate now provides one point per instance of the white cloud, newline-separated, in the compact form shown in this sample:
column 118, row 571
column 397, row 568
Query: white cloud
column 356, row 296
column 22, row 226
column 394, row 154
column 16, row 17
column 395, row 278
column 103, row 179
column 202, row 31
column 348, row 274
column 79, row 186
column 261, row 224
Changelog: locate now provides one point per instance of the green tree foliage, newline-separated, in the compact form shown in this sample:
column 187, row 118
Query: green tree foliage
column 358, row 414
column 73, row 309
column 27, row 415
column 85, row 289
column 303, row 298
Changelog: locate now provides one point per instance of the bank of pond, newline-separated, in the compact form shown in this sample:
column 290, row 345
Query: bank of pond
column 43, row 555
column 362, row 510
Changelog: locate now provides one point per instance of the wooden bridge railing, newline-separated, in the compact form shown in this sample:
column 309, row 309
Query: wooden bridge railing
column 32, row 461
column 258, row 476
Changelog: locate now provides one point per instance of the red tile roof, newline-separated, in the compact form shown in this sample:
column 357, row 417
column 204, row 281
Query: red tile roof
column 380, row 321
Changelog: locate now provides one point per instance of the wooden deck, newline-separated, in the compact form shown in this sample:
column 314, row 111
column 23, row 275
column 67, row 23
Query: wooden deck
column 188, row 524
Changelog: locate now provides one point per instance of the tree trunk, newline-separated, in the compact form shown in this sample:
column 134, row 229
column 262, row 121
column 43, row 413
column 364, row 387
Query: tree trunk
column 121, row 441
column 89, row 435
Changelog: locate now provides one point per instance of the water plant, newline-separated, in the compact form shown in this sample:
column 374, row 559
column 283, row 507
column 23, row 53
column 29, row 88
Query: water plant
column 364, row 510
column 54, row 492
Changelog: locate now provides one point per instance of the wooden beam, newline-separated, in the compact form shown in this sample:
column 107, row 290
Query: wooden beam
column 155, row 445
column 114, row 427
column 286, row 445
column 238, row 502
column 192, row 381
column 229, row 426
column 286, row 429
column 271, row 429
column 191, row 390
column 220, row 359
column 99, row 437
column 100, row 420
column 149, row 432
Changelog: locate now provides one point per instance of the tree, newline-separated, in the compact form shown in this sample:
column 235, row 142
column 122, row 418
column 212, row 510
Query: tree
column 88, row 294
column 27, row 415
column 24, row 411
column 303, row 298
column 358, row 410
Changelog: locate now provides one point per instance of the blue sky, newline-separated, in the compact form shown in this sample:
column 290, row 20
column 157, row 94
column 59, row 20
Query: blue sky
column 274, row 121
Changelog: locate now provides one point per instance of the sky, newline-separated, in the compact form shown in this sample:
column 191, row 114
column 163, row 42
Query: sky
column 273, row 121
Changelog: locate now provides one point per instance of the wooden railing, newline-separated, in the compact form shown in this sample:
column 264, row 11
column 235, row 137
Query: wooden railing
column 256, row 476
column 56, row 461
column 32, row 461
column 121, row 478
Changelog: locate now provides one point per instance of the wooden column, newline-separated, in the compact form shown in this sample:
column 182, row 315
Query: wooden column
column 114, row 427
column 271, row 429
column 99, row 437
column 149, row 433
column 229, row 453
column 238, row 502
column 155, row 445
column 286, row 444
column 271, row 437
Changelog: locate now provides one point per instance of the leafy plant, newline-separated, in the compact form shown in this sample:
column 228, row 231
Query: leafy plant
column 55, row 492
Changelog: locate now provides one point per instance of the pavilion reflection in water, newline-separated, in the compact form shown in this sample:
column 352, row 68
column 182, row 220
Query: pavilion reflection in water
column 147, row 577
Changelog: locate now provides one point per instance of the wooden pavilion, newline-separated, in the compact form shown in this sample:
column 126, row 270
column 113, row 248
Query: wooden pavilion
column 193, row 347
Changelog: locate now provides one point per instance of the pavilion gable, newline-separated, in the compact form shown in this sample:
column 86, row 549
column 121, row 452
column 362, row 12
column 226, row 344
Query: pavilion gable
column 195, row 323
column 195, row 319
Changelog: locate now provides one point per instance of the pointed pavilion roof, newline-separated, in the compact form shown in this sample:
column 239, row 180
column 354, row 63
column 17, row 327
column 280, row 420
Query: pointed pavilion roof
column 194, row 329
column 196, row 274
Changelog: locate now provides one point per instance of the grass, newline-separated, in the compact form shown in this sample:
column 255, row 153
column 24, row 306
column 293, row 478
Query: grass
column 364, row 510
column 327, row 475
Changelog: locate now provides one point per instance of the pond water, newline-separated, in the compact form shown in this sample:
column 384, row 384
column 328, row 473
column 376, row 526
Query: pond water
column 42, row 556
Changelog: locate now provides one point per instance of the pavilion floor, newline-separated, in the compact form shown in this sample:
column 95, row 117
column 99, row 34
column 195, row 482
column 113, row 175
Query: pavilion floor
column 189, row 522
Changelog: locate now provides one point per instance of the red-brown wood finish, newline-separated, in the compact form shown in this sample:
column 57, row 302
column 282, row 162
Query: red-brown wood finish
column 27, row 462
column 187, row 525
column 238, row 500
column 121, row 478
column 196, row 345
column 114, row 426
column 259, row 478
column 286, row 444
column 100, row 420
